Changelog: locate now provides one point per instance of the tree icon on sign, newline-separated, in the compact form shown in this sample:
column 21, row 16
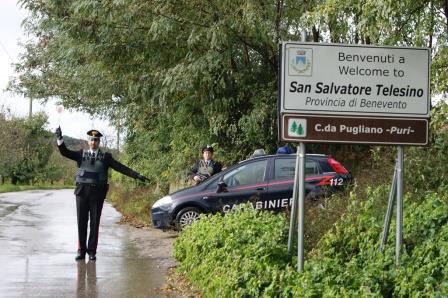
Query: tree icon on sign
column 297, row 127
column 294, row 127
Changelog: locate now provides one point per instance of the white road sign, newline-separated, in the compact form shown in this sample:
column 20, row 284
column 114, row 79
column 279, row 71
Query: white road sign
column 355, row 80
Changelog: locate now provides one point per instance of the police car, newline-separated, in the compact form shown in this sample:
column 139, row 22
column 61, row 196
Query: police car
column 265, row 182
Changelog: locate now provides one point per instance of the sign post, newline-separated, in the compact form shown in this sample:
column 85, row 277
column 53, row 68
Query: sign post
column 353, row 94
column 399, row 228
column 295, row 205
column 301, row 225
column 390, row 206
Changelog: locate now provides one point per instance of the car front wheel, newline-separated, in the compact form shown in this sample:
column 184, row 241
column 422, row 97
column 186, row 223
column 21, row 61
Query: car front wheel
column 186, row 217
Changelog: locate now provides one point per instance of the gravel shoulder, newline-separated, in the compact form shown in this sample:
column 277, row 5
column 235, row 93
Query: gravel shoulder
column 158, row 246
column 155, row 244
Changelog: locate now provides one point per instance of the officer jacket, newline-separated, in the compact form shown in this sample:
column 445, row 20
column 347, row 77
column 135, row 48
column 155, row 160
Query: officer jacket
column 108, row 161
column 214, row 165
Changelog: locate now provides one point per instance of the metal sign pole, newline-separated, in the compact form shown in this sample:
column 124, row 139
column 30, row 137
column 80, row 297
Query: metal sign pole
column 301, row 225
column 399, row 230
column 298, row 185
column 390, row 207
column 295, row 204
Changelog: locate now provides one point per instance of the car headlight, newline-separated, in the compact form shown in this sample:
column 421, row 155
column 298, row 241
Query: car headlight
column 164, row 202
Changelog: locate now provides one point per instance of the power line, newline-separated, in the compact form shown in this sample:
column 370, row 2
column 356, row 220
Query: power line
column 6, row 52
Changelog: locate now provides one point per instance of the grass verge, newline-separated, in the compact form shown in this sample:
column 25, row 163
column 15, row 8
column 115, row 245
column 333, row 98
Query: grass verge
column 133, row 202
column 12, row 188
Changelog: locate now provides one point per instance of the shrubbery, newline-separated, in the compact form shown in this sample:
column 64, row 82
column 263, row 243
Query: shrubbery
column 241, row 254
column 245, row 253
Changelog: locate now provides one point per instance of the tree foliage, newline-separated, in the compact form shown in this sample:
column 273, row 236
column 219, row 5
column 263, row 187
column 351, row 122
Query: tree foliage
column 181, row 74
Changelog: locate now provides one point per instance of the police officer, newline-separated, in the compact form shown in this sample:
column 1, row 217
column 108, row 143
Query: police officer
column 91, row 187
column 206, row 167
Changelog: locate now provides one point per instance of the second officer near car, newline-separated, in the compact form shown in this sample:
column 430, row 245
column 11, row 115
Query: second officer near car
column 206, row 167
column 91, row 187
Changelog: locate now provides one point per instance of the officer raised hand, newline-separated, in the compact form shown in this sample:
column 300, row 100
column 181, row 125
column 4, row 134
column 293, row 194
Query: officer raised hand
column 58, row 133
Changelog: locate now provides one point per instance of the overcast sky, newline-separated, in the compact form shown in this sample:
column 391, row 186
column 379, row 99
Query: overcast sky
column 73, row 123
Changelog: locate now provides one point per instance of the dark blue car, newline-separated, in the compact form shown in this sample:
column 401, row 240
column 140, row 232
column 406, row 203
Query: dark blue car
column 266, row 182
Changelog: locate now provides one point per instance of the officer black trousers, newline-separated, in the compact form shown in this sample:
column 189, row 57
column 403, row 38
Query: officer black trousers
column 89, row 205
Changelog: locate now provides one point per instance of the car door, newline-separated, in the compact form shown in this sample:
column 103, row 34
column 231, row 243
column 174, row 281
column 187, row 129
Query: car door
column 244, row 183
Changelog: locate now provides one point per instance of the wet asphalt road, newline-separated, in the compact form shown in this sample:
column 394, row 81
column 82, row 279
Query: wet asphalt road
column 38, row 242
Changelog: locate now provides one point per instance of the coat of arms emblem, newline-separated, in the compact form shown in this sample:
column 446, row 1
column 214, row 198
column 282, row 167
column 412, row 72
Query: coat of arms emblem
column 300, row 61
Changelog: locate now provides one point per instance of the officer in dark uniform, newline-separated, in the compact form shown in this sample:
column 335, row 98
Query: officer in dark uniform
column 206, row 167
column 91, row 188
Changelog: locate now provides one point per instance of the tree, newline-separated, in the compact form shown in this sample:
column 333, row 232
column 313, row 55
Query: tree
column 181, row 74
column 12, row 145
column 25, row 148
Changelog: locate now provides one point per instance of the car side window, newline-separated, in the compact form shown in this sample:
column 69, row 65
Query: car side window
column 284, row 168
column 213, row 184
column 250, row 173
column 312, row 168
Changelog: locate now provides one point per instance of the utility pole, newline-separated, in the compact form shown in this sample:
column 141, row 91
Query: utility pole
column 118, row 136
column 30, row 111
column 118, row 127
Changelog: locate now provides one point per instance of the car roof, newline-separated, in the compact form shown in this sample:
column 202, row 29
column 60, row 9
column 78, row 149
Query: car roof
column 283, row 155
column 248, row 160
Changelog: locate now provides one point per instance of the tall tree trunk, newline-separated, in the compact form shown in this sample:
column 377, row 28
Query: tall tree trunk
column 278, row 19
column 432, row 24
column 315, row 34
column 445, row 9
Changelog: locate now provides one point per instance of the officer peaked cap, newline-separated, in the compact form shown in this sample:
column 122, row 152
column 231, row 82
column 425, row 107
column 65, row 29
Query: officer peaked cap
column 207, row 148
column 94, row 133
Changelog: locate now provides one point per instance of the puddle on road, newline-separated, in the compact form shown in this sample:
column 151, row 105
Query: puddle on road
column 123, row 278
column 54, row 276
column 6, row 209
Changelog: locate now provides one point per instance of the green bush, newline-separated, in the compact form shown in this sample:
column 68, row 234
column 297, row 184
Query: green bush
column 240, row 254
column 426, row 168
column 244, row 254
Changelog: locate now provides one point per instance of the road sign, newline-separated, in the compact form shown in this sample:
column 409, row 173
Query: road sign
column 366, row 130
column 347, row 86
column 355, row 80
